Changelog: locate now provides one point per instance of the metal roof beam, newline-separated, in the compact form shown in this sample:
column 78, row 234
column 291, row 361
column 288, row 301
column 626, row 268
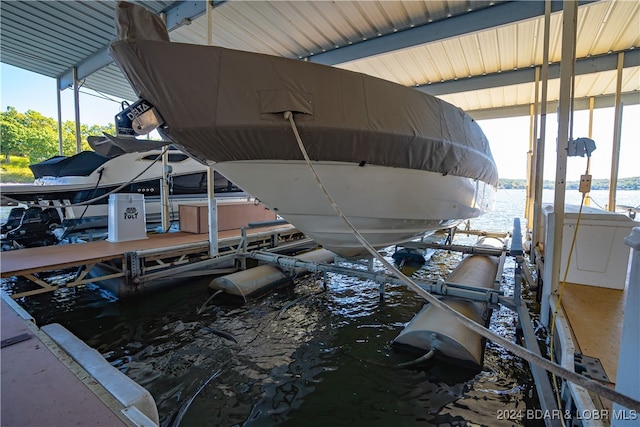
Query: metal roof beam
column 601, row 101
column 527, row 75
column 483, row 19
column 181, row 13
column 85, row 68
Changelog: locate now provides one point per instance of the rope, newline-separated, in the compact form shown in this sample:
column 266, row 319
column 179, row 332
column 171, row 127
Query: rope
column 519, row 351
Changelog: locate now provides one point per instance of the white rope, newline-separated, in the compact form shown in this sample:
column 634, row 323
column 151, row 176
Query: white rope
column 522, row 352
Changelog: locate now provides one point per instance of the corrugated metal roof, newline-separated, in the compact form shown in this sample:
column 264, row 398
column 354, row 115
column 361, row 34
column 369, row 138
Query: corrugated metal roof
column 413, row 43
column 48, row 37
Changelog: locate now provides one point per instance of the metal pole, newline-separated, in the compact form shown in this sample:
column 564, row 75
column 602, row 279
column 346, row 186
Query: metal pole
column 569, row 18
column 531, row 154
column 76, row 106
column 210, row 23
column 528, row 205
column 617, row 127
column 164, row 191
column 628, row 377
column 539, row 156
column 59, row 99
column 592, row 102
column 213, row 213
column 213, row 205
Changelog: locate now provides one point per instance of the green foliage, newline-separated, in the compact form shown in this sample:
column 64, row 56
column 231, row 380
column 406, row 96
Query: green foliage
column 11, row 133
column 35, row 136
column 16, row 170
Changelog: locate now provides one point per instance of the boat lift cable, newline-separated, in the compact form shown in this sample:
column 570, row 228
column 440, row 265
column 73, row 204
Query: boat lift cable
column 519, row 351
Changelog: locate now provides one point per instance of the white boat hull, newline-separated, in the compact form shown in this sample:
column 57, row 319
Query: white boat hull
column 386, row 205
column 139, row 171
column 398, row 161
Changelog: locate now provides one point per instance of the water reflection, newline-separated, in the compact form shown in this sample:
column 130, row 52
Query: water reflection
column 302, row 356
column 298, row 357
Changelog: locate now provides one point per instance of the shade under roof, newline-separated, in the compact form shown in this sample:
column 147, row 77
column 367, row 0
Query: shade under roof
column 479, row 55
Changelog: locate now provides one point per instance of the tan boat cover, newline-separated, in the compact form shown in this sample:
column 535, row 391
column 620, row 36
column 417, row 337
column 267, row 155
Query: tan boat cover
column 224, row 105
column 112, row 146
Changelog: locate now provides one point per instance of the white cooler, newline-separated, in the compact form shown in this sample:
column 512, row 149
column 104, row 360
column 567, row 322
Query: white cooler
column 126, row 217
column 600, row 257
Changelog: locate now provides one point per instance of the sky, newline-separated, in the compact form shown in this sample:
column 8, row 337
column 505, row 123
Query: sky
column 509, row 138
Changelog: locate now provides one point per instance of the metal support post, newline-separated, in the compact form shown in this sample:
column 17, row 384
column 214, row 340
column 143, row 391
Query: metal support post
column 531, row 154
column 76, row 108
column 540, row 377
column 617, row 128
column 518, row 253
column 539, row 155
column 213, row 213
column 592, row 101
column 569, row 19
column 628, row 376
column 164, row 191
column 59, row 102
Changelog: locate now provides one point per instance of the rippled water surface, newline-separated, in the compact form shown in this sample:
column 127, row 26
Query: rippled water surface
column 302, row 356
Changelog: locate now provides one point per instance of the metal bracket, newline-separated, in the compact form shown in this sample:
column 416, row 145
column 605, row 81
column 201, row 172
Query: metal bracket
column 14, row 340
column 590, row 367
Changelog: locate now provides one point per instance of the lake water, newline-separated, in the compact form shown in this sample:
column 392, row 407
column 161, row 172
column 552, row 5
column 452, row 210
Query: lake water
column 299, row 357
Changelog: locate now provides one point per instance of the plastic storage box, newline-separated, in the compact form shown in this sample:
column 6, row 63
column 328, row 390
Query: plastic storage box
column 126, row 217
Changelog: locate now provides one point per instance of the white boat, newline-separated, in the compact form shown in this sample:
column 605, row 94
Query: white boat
column 398, row 162
column 64, row 184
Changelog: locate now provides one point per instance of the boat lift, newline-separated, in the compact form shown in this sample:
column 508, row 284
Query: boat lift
column 491, row 297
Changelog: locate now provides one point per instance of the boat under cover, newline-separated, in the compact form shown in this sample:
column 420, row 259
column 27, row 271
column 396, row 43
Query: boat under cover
column 66, row 183
column 397, row 161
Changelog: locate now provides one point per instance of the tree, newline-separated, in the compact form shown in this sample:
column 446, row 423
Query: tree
column 11, row 133
column 35, row 136
column 40, row 137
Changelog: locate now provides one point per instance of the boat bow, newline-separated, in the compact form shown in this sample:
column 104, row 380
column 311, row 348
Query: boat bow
column 226, row 107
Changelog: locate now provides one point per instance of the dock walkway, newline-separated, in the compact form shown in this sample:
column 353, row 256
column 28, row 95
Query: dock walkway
column 133, row 261
column 38, row 389
column 595, row 317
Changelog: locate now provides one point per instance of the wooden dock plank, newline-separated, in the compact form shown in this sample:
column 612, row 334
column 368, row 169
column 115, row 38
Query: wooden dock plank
column 33, row 260
column 596, row 316
column 60, row 256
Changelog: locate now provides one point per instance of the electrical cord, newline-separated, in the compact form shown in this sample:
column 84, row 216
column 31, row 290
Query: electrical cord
column 95, row 199
column 93, row 193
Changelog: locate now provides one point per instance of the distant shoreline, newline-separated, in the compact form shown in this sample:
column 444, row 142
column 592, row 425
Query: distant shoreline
column 596, row 184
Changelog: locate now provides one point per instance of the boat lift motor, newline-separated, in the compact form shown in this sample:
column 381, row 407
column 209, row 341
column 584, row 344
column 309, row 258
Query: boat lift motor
column 140, row 118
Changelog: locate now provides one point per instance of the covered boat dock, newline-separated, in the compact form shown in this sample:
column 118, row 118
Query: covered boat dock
column 605, row 72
